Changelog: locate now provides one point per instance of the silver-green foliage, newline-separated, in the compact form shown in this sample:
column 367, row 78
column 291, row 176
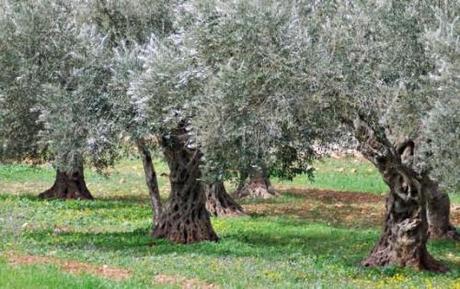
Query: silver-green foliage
column 246, row 117
column 164, row 93
column 442, row 124
column 19, row 79
column 382, row 71
column 261, row 81
column 131, row 21
column 61, row 64
column 132, row 28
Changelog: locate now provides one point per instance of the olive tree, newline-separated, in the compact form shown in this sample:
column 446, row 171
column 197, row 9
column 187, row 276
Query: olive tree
column 360, row 66
column 164, row 97
column 58, row 65
column 253, row 130
column 131, row 26
column 376, row 69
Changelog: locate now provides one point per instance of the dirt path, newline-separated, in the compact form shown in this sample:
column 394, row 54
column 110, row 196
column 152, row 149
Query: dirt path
column 70, row 266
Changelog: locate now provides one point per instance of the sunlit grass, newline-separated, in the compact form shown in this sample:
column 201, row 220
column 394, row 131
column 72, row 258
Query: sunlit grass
column 347, row 174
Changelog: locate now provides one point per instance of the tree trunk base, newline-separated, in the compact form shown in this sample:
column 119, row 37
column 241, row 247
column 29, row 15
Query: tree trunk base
column 184, row 219
column 185, row 228
column 403, row 242
column 68, row 186
column 221, row 204
column 384, row 254
column 257, row 187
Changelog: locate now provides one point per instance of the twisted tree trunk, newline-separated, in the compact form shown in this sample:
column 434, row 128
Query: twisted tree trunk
column 258, row 185
column 219, row 203
column 405, row 234
column 150, row 180
column 68, row 185
column 184, row 218
column 438, row 205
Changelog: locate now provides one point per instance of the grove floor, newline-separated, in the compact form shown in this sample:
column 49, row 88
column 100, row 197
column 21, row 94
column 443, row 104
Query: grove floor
column 313, row 236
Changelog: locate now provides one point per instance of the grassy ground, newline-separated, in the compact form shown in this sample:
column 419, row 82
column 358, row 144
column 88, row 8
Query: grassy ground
column 304, row 239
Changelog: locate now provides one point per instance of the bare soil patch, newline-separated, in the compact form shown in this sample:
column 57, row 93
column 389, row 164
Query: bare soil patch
column 350, row 209
column 332, row 196
column 70, row 266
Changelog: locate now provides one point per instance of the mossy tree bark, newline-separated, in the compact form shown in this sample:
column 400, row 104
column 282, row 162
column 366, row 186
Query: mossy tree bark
column 150, row 180
column 184, row 218
column 68, row 185
column 219, row 203
column 405, row 234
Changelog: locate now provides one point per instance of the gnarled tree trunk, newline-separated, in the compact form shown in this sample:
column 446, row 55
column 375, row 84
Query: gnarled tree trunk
column 150, row 180
column 405, row 234
column 184, row 218
column 258, row 185
column 68, row 185
column 438, row 205
column 219, row 203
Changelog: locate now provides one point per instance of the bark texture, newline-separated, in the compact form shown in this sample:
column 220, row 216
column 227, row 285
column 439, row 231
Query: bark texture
column 68, row 185
column 257, row 186
column 150, row 180
column 438, row 205
column 405, row 234
column 219, row 203
column 184, row 218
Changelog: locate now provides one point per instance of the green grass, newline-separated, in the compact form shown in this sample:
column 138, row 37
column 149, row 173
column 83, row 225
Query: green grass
column 346, row 174
column 261, row 251
column 126, row 180
column 45, row 277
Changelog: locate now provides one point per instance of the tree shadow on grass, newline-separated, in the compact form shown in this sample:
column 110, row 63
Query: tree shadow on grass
column 133, row 199
column 137, row 199
column 272, row 240
column 103, row 203
column 256, row 240
column 28, row 197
